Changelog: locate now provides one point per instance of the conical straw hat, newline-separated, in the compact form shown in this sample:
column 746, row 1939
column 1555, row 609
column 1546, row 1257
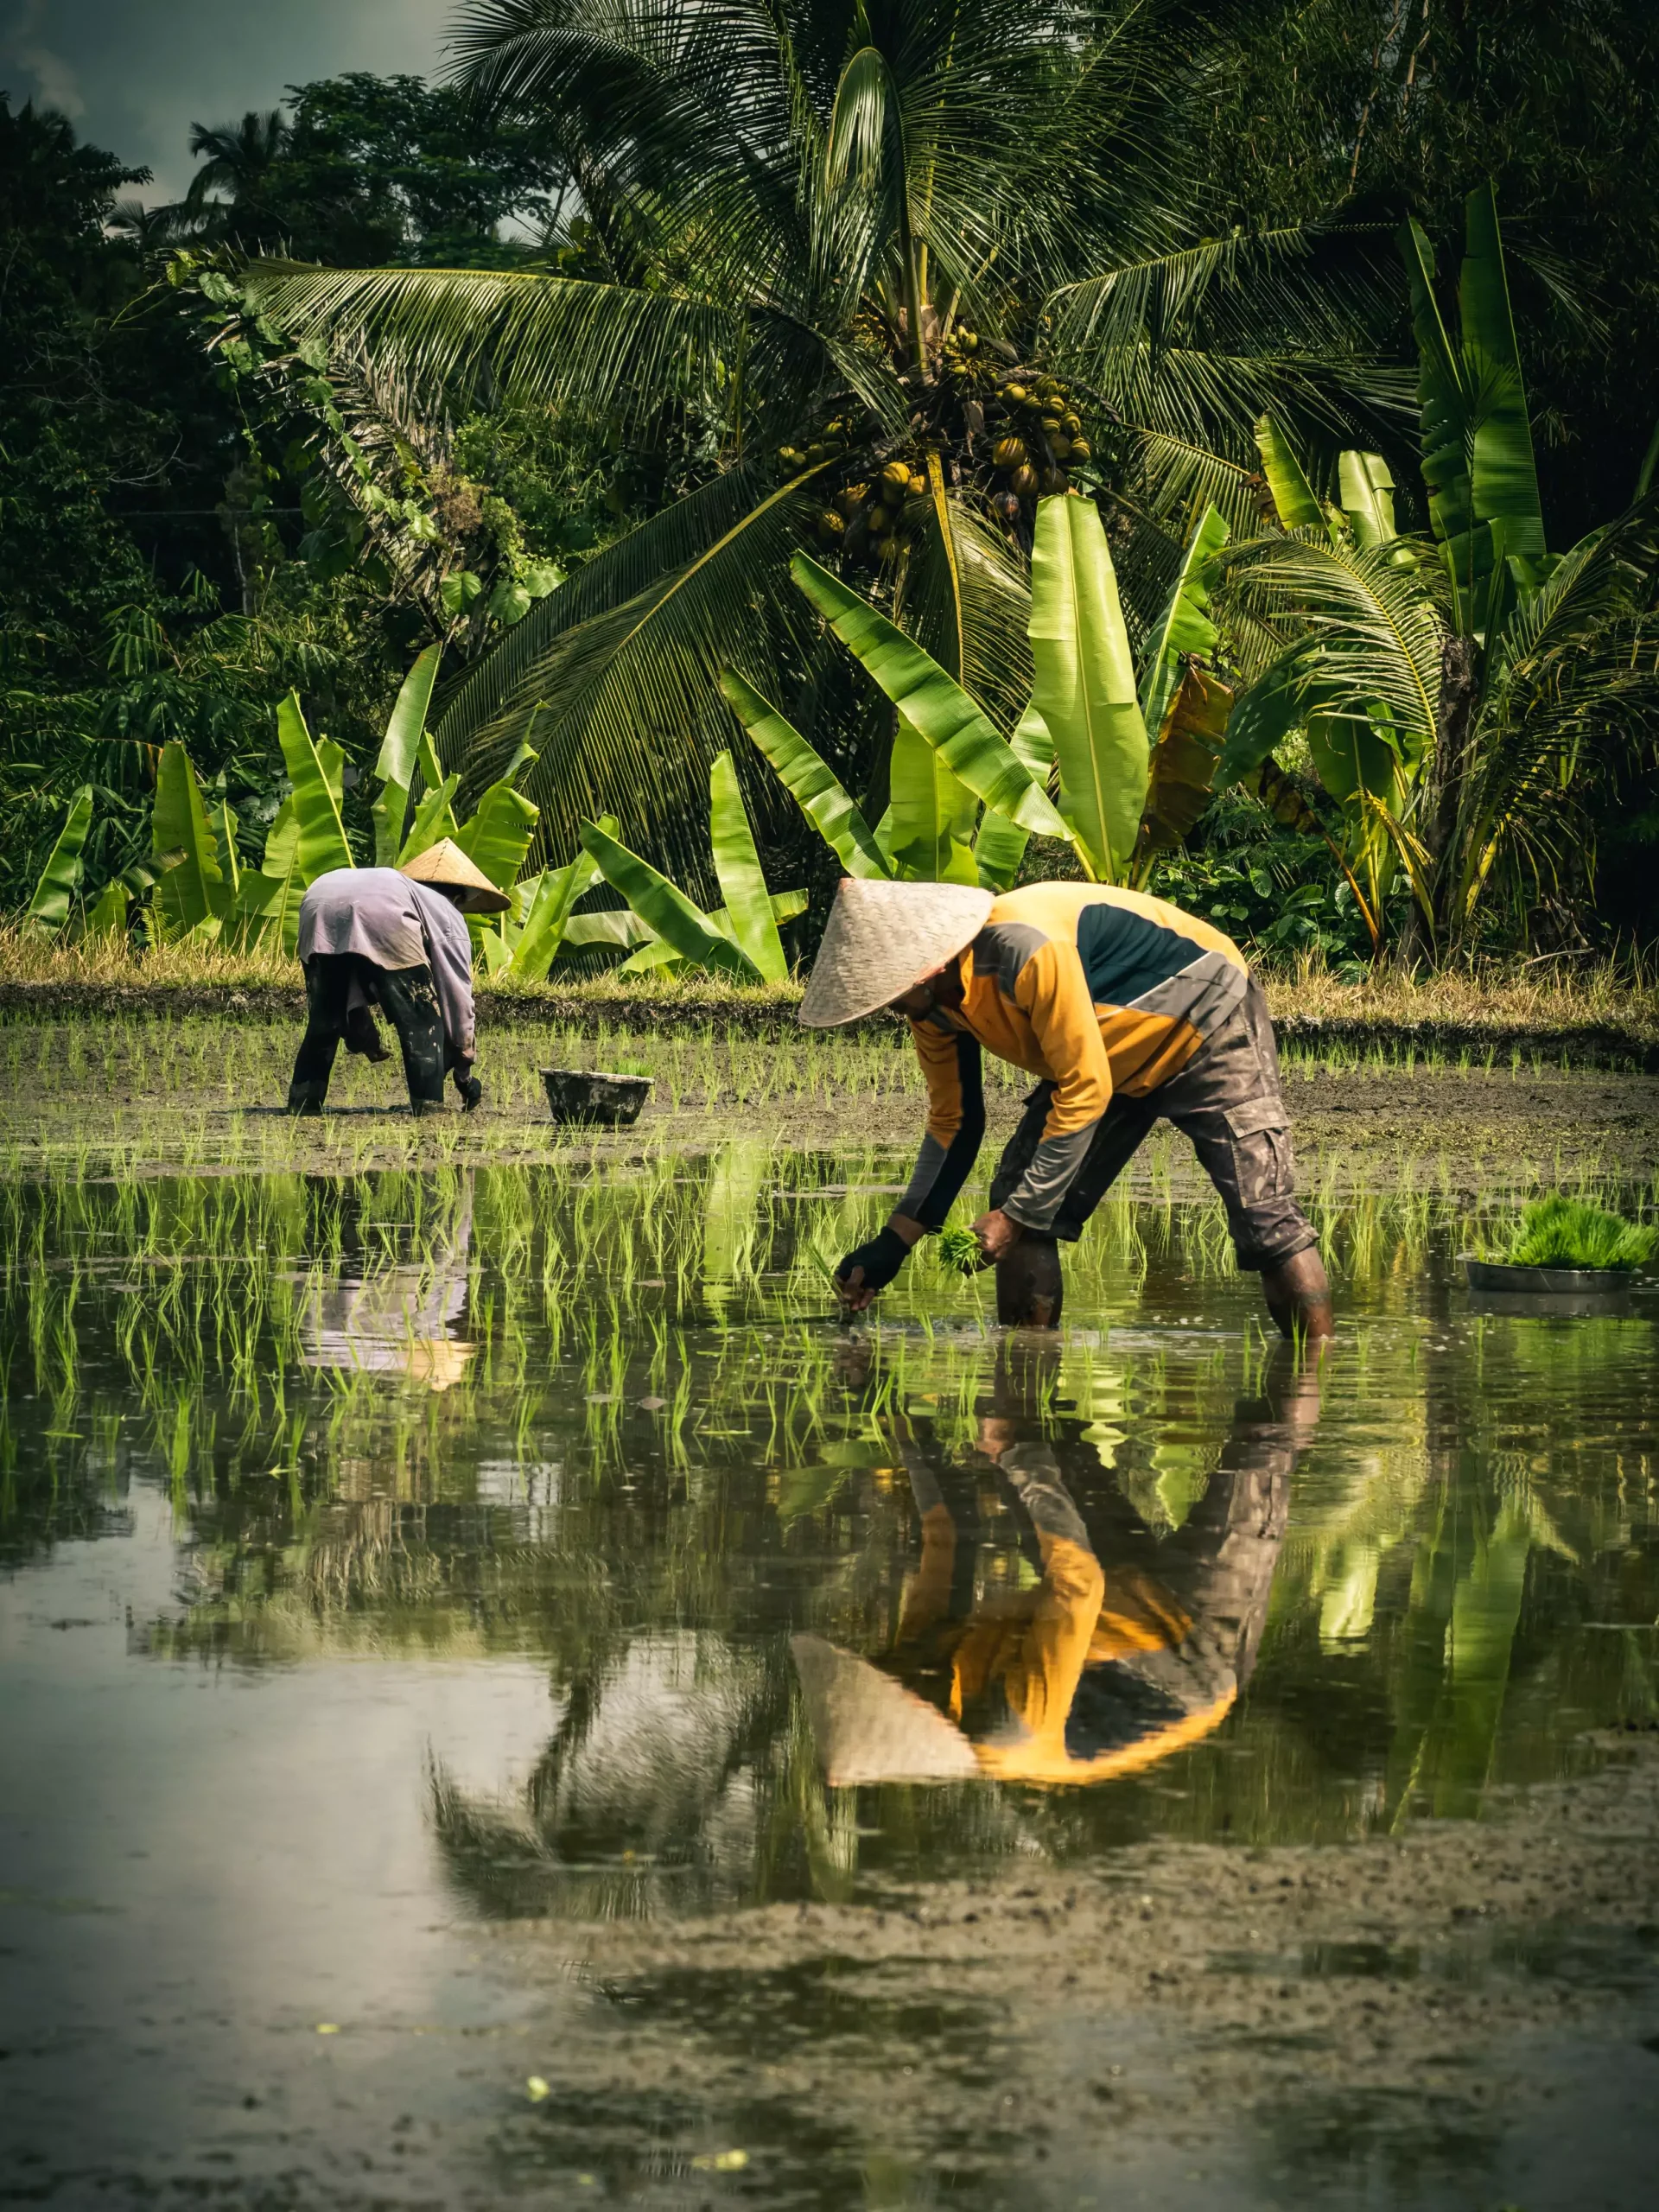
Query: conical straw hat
column 882, row 937
column 870, row 1728
column 448, row 868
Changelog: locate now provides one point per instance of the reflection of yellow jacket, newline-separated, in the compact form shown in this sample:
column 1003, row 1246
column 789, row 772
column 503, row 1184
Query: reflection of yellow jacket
column 1028, row 1649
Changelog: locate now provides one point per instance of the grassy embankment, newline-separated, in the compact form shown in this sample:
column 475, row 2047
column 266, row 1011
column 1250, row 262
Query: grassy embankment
column 1606, row 1011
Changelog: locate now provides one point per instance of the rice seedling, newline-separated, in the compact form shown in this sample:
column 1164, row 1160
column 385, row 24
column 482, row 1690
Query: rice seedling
column 1559, row 1232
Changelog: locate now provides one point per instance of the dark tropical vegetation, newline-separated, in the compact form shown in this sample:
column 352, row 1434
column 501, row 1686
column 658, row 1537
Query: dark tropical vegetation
column 558, row 367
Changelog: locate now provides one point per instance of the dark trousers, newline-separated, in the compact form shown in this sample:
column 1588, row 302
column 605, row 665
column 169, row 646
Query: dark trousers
column 406, row 996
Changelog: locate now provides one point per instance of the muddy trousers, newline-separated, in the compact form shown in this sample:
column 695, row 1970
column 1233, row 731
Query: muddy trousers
column 340, row 988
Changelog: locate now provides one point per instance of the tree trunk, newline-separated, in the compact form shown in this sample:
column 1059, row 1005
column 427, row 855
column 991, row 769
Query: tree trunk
column 1442, row 794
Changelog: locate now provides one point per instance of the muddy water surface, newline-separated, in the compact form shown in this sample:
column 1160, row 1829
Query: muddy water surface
column 419, row 1589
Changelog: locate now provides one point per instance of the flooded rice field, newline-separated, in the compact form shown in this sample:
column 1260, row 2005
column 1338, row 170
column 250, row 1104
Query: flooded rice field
column 506, row 1699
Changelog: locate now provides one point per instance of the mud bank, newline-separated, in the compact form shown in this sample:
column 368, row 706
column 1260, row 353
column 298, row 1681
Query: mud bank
column 1191, row 2017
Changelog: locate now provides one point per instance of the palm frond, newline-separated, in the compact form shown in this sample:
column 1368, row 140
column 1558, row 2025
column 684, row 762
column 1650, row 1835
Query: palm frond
column 625, row 706
column 1370, row 626
column 597, row 348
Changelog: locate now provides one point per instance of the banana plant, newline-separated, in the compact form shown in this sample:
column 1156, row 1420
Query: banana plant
column 964, row 800
column 203, row 888
column 740, row 939
column 1456, row 693
column 53, row 896
column 950, row 773
column 192, row 892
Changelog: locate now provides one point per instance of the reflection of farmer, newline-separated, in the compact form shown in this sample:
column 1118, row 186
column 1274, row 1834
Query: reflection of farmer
column 1127, row 1011
column 392, row 937
column 1122, row 1651
column 397, row 1319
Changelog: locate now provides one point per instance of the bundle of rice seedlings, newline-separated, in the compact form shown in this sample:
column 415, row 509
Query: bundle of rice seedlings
column 959, row 1249
column 1562, row 1232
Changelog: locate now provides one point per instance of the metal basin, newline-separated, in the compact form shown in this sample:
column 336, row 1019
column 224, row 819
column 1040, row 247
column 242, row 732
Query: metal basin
column 608, row 1101
column 1500, row 1276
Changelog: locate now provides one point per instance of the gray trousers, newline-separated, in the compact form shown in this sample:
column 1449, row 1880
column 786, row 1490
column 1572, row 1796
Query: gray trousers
column 1228, row 1100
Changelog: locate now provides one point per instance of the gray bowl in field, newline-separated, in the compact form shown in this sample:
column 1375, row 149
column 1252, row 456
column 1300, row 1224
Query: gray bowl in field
column 1501, row 1277
column 611, row 1101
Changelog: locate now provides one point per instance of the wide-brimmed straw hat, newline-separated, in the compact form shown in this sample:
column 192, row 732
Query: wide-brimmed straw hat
column 870, row 1728
column 884, row 937
column 446, row 868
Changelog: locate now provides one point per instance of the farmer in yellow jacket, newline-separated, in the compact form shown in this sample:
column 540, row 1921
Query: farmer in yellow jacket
column 1127, row 1011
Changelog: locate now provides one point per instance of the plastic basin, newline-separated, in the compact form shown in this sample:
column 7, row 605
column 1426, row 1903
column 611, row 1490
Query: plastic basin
column 594, row 1095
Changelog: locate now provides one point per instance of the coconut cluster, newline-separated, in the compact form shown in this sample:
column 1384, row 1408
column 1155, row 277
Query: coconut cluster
column 1039, row 436
column 872, row 521
column 1026, row 420
column 837, row 437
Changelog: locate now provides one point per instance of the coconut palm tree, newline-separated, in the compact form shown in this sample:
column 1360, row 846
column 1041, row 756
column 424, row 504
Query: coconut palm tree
column 828, row 244
column 233, row 183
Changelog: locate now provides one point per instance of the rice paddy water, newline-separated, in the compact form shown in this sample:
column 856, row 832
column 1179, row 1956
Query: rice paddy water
column 408, row 1568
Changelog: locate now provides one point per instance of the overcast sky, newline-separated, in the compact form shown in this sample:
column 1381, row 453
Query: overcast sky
column 135, row 74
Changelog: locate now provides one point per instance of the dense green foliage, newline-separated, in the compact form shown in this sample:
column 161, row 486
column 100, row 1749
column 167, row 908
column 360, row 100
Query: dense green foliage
column 213, row 497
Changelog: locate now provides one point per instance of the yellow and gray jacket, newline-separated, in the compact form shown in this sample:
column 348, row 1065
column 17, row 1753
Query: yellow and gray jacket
column 1092, row 990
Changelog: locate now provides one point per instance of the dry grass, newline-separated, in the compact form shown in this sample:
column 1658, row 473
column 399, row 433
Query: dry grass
column 1545, row 997
column 1540, row 994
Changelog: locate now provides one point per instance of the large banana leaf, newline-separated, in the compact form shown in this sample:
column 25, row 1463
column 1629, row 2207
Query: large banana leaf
column 48, row 909
column 548, row 916
column 665, row 909
column 434, row 818
column 316, row 806
column 1293, row 501
column 814, row 786
column 1184, row 627
column 496, row 837
column 1084, row 688
column 1368, row 497
column 191, row 890
column 786, row 906
column 737, row 865
column 929, row 703
column 616, row 928
column 107, row 917
column 929, row 825
column 268, row 898
column 1504, row 475
column 1476, row 439
column 1000, row 845
column 398, row 755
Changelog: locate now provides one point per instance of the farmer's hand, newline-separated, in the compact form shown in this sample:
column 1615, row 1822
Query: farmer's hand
column 871, row 1267
column 997, row 1235
column 470, row 1090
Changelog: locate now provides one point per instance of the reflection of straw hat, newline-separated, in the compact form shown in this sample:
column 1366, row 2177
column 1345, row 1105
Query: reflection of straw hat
column 870, row 1728
column 446, row 868
column 884, row 937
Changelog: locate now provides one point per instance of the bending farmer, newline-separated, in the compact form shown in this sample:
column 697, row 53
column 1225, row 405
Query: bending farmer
column 1127, row 1011
column 392, row 939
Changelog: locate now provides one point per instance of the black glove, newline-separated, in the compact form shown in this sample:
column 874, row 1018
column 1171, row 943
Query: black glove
column 470, row 1090
column 880, row 1259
